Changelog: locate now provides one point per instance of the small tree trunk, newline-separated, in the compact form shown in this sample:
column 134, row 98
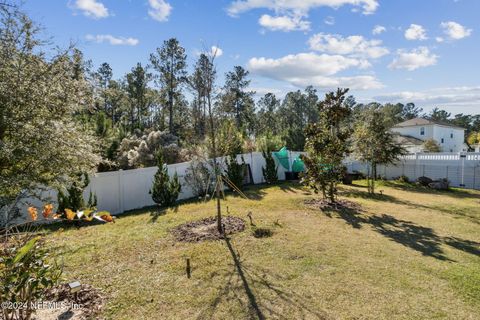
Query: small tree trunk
column 215, row 166
column 371, row 179
column 170, row 111
column 331, row 192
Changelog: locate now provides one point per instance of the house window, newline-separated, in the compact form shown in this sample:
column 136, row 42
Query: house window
column 443, row 140
column 422, row 131
column 451, row 135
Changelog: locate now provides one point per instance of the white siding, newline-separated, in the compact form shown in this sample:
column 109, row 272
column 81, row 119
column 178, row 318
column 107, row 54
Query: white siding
column 437, row 132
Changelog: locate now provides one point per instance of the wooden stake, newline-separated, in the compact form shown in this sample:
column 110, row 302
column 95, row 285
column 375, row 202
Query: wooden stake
column 188, row 268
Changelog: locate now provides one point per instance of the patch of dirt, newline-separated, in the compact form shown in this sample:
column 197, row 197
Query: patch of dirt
column 85, row 304
column 339, row 205
column 206, row 229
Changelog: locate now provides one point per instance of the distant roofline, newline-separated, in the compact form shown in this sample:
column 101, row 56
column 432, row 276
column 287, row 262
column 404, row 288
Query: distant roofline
column 409, row 139
column 405, row 124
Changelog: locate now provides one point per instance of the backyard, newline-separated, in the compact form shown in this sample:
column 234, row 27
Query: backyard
column 406, row 253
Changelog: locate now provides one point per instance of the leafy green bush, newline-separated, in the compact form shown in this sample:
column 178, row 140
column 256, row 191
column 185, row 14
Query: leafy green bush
column 26, row 272
column 270, row 169
column 199, row 177
column 165, row 191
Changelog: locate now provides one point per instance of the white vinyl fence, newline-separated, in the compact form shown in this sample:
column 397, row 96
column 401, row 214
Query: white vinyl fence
column 125, row 190
column 461, row 169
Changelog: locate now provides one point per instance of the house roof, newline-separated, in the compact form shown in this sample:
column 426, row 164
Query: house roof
column 424, row 122
column 405, row 140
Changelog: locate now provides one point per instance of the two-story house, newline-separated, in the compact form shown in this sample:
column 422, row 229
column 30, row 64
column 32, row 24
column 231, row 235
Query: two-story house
column 412, row 134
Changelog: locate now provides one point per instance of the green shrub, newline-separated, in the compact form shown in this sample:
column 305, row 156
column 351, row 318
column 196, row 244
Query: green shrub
column 199, row 177
column 403, row 179
column 72, row 197
column 164, row 191
column 235, row 171
column 25, row 274
column 270, row 169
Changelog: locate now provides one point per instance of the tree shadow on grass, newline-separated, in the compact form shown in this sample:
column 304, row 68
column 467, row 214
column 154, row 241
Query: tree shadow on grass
column 458, row 212
column 263, row 291
column 158, row 212
column 411, row 187
column 421, row 239
column 287, row 186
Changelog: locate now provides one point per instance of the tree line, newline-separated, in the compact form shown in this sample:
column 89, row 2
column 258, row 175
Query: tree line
column 60, row 114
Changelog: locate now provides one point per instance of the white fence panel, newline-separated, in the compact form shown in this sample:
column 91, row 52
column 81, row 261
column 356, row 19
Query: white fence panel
column 461, row 169
column 124, row 190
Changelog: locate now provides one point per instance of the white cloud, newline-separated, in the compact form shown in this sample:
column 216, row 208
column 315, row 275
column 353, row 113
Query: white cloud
column 92, row 8
column 261, row 91
column 412, row 60
column 290, row 14
column 298, row 6
column 329, row 20
column 115, row 41
column 442, row 97
column 378, row 29
column 439, row 39
column 455, row 31
column 305, row 69
column 284, row 23
column 216, row 51
column 353, row 45
column 416, row 32
column 159, row 10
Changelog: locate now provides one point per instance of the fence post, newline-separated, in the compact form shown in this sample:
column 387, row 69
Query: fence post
column 415, row 167
column 120, row 191
column 474, row 177
column 463, row 156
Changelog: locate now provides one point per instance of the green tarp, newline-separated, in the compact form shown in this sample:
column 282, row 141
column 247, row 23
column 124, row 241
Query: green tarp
column 298, row 165
column 282, row 157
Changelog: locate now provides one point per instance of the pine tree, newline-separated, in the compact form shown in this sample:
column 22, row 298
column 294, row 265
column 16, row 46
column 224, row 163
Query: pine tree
column 164, row 191
column 235, row 171
column 270, row 169
column 73, row 197
column 170, row 61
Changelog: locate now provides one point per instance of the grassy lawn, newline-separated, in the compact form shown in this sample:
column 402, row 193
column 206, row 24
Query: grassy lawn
column 410, row 254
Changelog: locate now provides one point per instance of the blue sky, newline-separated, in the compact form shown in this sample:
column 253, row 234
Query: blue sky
column 422, row 51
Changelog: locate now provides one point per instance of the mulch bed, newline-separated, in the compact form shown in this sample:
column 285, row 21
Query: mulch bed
column 89, row 300
column 206, row 229
column 339, row 205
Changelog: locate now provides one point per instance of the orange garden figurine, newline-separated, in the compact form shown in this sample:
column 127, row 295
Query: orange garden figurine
column 69, row 214
column 47, row 210
column 32, row 211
